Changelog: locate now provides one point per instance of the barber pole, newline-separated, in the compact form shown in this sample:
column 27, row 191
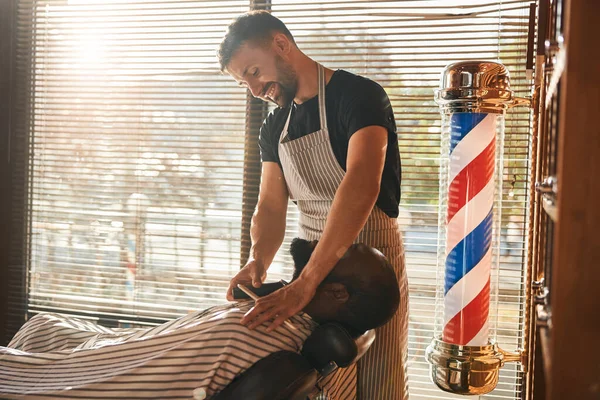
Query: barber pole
column 469, row 220
column 464, row 356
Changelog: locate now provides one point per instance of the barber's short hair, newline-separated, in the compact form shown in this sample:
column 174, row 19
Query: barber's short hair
column 374, row 299
column 256, row 26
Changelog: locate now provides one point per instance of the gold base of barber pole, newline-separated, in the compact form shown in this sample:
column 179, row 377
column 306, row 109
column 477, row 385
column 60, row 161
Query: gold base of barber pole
column 467, row 370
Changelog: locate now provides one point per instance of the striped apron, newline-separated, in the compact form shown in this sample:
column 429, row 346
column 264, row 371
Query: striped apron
column 313, row 175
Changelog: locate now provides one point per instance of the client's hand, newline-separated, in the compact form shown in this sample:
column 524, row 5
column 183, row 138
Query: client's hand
column 280, row 305
column 253, row 274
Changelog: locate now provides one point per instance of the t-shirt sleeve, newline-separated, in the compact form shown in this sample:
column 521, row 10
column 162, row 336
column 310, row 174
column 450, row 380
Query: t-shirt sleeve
column 268, row 139
column 267, row 152
column 368, row 104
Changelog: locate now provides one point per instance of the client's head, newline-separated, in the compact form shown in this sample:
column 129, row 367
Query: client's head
column 361, row 292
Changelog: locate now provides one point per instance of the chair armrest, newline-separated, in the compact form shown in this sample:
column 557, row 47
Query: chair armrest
column 363, row 342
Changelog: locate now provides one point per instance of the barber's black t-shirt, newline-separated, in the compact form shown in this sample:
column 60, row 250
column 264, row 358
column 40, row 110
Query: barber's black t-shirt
column 352, row 103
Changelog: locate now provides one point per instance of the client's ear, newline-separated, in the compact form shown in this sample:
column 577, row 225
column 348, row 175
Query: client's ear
column 335, row 291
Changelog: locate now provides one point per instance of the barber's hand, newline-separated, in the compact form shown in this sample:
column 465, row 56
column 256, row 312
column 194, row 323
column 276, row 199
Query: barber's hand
column 253, row 274
column 280, row 305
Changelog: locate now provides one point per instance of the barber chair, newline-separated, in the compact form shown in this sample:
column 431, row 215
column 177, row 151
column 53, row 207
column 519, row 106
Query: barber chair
column 286, row 375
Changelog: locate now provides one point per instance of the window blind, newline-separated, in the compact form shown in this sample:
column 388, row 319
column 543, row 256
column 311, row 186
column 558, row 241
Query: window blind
column 136, row 158
column 138, row 197
column 404, row 46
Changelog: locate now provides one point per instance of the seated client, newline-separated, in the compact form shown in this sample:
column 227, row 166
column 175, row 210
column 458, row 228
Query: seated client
column 199, row 354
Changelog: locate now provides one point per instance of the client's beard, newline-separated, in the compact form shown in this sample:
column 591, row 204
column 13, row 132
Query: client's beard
column 301, row 250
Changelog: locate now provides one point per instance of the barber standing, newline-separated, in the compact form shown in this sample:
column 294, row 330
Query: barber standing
column 331, row 147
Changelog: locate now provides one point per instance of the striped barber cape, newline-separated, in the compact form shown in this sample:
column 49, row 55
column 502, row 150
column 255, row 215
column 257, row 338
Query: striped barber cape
column 193, row 357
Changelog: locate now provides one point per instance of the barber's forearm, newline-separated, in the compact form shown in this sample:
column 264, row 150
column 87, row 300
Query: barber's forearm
column 267, row 232
column 351, row 207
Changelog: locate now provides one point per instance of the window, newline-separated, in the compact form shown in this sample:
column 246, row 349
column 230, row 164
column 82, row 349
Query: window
column 136, row 147
column 136, row 158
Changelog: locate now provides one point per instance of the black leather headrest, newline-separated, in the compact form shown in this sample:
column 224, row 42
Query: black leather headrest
column 331, row 343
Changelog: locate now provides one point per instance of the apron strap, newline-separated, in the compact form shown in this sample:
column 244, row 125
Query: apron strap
column 322, row 114
column 284, row 132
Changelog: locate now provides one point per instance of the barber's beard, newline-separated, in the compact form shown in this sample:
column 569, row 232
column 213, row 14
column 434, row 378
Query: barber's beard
column 288, row 83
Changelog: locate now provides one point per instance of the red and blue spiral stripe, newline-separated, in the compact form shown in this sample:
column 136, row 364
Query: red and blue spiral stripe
column 469, row 228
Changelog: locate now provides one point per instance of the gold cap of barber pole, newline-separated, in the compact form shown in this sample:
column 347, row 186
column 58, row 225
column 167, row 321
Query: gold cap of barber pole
column 476, row 86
